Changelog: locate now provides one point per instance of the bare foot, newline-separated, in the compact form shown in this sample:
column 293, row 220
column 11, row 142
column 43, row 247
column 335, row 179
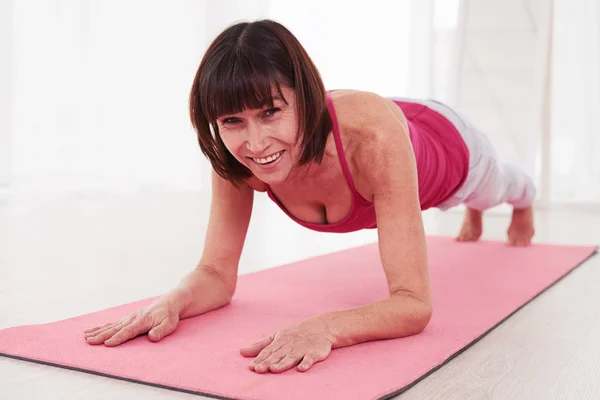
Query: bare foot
column 472, row 226
column 521, row 228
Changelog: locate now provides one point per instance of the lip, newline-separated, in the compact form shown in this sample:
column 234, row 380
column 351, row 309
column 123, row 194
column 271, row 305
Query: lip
column 270, row 165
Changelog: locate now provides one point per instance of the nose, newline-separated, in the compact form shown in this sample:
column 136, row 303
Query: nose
column 256, row 141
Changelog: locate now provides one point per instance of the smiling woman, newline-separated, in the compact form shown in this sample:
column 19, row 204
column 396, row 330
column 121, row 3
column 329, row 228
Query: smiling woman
column 333, row 161
column 246, row 68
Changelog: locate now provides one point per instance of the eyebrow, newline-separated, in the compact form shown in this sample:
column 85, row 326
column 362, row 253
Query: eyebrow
column 275, row 97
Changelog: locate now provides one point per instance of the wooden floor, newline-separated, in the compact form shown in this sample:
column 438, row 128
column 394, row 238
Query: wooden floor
column 60, row 257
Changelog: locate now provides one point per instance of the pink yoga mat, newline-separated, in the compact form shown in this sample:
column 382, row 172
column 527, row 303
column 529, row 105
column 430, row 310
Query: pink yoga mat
column 475, row 287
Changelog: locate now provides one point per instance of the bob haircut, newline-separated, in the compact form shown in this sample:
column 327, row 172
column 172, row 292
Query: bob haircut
column 238, row 71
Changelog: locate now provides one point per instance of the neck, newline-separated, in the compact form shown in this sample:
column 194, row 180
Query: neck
column 303, row 174
column 313, row 171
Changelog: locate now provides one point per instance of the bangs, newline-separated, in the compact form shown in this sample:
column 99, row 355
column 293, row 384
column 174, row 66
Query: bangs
column 238, row 82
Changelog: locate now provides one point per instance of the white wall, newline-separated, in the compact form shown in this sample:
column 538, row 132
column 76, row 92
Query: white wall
column 500, row 49
column 5, row 90
column 575, row 117
column 101, row 94
column 497, row 74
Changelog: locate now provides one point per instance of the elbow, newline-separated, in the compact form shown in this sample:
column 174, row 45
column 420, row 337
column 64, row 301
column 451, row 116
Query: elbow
column 230, row 290
column 222, row 298
column 416, row 322
column 227, row 293
column 228, row 296
column 421, row 318
column 227, row 283
column 415, row 316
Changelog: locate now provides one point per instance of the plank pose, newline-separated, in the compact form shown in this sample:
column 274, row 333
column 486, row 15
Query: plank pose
column 333, row 161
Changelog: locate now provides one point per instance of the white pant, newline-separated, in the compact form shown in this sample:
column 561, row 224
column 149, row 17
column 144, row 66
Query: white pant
column 489, row 182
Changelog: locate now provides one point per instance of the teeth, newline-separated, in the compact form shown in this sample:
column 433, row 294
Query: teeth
column 268, row 159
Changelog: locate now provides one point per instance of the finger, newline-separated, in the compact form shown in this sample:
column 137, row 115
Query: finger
column 256, row 348
column 129, row 331
column 264, row 354
column 274, row 358
column 286, row 363
column 105, row 334
column 94, row 329
column 309, row 360
column 111, row 325
column 165, row 328
column 103, row 328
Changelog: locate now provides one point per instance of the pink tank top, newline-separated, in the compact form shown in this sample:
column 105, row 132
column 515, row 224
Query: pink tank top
column 442, row 160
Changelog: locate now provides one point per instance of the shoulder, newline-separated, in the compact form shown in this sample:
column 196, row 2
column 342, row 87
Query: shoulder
column 375, row 132
column 369, row 123
column 362, row 111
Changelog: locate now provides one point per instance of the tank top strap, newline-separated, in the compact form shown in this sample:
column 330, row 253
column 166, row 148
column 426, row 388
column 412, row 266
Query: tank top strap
column 340, row 150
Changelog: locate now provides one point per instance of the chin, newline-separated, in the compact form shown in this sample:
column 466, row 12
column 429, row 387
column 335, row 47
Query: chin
column 272, row 178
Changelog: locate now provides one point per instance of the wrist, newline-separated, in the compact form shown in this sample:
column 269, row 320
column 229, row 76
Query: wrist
column 181, row 299
column 334, row 331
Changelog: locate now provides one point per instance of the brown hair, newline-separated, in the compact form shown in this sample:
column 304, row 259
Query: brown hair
column 238, row 71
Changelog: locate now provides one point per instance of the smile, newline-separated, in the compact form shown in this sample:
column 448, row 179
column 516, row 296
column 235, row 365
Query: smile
column 268, row 160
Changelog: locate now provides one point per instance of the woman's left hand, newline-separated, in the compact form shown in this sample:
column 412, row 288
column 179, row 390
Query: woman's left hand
column 305, row 344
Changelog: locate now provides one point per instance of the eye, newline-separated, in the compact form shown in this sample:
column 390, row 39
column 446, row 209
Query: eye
column 271, row 111
column 230, row 121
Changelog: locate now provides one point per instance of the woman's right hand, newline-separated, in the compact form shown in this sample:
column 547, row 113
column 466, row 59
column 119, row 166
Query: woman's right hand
column 158, row 319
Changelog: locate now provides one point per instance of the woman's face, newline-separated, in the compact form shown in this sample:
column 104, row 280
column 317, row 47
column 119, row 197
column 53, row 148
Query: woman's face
column 264, row 140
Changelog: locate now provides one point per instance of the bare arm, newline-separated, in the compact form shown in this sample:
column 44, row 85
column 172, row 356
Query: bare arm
column 387, row 162
column 212, row 283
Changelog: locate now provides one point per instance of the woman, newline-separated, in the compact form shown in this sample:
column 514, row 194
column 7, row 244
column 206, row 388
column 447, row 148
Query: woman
column 334, row 162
